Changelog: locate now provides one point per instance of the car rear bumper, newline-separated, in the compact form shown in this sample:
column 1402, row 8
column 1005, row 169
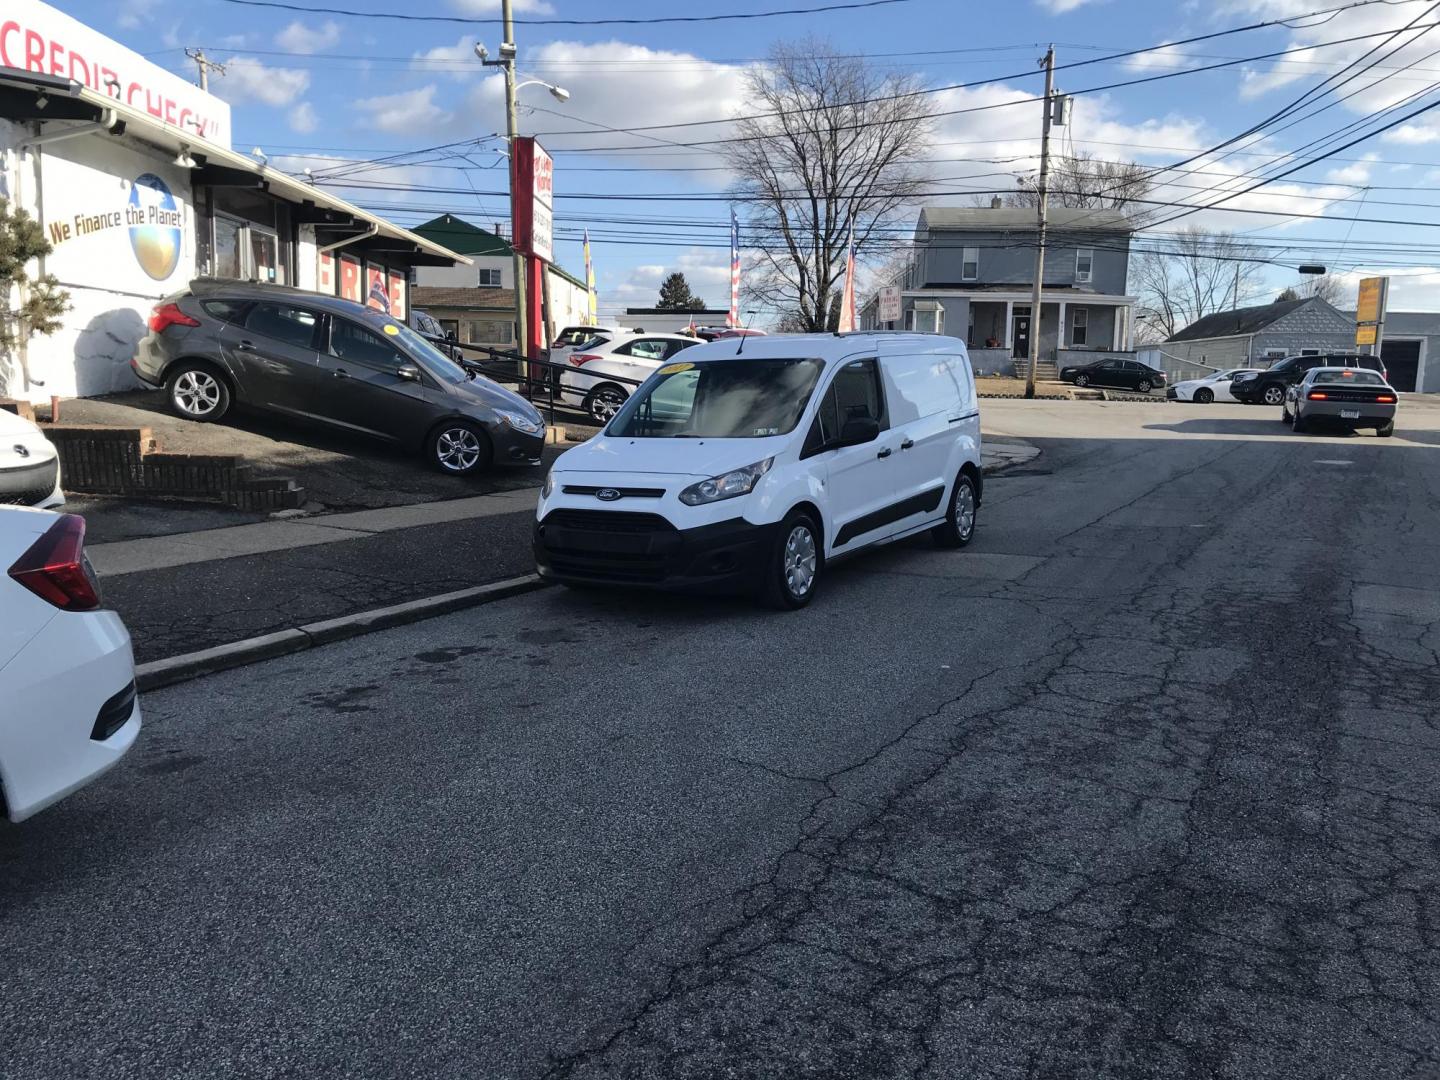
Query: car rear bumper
column 69, row 715
column 647, row 552
column 1329, row 412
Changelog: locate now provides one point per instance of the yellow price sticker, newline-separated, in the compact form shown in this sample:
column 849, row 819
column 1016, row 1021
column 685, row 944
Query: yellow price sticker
column 392, row 329
column 672, row 369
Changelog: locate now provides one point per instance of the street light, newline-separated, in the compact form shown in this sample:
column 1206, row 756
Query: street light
column 560, row 94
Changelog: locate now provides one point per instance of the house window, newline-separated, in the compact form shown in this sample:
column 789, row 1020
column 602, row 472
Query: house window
column 1079, row 326
column 1309, row 352
column 489, row 278
column 927, row 320
column 969, row 264
column 489, row 331
column 1084, row 263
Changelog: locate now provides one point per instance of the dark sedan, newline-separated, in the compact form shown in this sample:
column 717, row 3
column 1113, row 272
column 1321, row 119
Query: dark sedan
column 1125, row 374
column 320, row 359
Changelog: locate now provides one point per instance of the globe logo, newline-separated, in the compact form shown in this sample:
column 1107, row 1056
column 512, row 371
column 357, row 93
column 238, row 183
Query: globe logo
column 155, row 226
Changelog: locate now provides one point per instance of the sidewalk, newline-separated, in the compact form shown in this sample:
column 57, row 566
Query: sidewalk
column 196, row 590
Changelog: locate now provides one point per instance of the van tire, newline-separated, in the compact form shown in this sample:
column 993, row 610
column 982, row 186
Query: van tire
column 790, row 552
column 964, row 503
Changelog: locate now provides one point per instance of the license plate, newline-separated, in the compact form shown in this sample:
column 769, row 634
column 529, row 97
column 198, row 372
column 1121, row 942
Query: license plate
column 1349, row 414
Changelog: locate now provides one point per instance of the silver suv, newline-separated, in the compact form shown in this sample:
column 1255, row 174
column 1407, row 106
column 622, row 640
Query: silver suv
column 320, row 359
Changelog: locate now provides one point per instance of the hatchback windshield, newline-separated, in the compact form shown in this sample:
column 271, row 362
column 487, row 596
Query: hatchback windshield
column 720, row 399
column 438, row 364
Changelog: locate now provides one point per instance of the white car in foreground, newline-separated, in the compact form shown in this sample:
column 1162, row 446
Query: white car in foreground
column 29, row 465
column 1211, row 388
column 68, row 709
column 607, row 371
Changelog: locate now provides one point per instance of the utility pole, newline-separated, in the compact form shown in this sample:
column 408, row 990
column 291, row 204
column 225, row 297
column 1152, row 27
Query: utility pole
column 1043, row 205
column 205, row 64
column 507, row 58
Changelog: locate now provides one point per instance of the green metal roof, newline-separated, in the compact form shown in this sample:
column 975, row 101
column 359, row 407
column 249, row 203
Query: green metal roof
column 460, row 236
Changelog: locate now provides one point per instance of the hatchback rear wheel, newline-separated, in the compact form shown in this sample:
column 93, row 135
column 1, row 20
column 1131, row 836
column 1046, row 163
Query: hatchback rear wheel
column 197, row 392
column 604, row 402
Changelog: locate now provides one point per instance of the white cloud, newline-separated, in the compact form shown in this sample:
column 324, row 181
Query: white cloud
column 249, row 79
column 1357, row 172
column 299, row 38
column 1166, row 58
column 1060, row 7
column 706, row 270
column 405, row 113
column 303, row 118
column 1416, row 133
column 136, row 13
column 457, row 61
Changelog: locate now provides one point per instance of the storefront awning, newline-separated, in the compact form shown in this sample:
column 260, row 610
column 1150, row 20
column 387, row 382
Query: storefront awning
column 28, row 96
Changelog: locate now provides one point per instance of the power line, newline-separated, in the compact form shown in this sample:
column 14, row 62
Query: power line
column 851, row 5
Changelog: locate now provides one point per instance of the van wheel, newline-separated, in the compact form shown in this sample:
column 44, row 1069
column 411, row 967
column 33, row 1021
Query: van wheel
column 958, row 528
column 792, row 568
column 459, row 448
column 197, row 392
column 604, row 402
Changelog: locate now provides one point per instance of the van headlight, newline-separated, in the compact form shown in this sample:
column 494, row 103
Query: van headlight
column 727, row 485
column 521, row 422
column 548, row 488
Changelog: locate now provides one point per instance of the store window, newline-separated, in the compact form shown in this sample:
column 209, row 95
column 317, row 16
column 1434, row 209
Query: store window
column 489, row 331
column 229, row 262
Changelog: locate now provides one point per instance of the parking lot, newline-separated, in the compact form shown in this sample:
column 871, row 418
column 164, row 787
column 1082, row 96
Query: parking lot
column 1138, row 785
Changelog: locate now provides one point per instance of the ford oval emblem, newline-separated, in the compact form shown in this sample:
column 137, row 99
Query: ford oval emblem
column 22, row 450
column 607, row 494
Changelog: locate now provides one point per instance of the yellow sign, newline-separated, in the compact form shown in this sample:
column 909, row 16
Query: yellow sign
column 672, row 369
column 1372, row 297
column 1365, row 335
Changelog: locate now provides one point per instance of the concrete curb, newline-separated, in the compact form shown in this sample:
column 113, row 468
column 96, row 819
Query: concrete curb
column 175, row 669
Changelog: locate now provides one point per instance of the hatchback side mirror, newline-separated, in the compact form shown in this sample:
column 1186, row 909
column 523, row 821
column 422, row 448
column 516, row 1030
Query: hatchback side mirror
column 858, row 430
column 409, row 372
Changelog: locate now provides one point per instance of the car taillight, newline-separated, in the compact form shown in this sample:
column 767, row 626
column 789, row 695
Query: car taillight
column 169, row 315
column 583, row 358
column 56, row 570
column 1317, row 395
column 1386, row 399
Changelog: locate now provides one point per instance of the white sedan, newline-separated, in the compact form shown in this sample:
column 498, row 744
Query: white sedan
column 29, row 465
column 68, row 709
column 1211, row 388
column 606, row 371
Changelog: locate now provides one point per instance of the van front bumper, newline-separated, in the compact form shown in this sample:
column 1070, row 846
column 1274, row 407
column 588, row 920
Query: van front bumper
column 610, row 547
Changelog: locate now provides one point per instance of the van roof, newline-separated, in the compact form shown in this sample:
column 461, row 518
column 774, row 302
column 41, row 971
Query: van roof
column 823, row 346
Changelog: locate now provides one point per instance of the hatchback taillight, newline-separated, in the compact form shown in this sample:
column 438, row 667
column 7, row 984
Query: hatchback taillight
column 56, row 570
column 583, row 358
column 169, row 315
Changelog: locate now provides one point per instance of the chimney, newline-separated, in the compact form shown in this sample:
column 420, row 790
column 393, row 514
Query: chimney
column 995, row 202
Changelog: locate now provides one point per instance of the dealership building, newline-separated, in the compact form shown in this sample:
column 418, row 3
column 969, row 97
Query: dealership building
column 128, row 169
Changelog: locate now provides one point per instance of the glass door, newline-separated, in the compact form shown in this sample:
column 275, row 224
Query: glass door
column 265, row 256
column 228, row 252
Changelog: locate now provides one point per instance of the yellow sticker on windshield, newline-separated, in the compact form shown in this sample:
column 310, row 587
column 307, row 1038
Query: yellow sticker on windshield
column 671, row 369
column 392, row 329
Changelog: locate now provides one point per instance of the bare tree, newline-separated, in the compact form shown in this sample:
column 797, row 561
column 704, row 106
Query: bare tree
column 836, row 143
column 1328, row 288
column 1084, row 182
column 1196, row 273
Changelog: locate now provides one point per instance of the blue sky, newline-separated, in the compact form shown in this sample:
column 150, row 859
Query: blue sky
column 313, row 88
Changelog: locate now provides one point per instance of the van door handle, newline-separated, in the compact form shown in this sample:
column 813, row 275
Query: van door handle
column 907, row 444
column 340, row 373
column 884, row 453
column 245, row 346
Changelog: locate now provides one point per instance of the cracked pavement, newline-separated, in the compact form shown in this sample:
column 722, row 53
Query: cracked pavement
column 1139, row 785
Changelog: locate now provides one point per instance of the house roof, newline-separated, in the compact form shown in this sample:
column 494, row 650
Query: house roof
column 468, row 299
column 985, row 217
column 457, row 234
column 1250, row 320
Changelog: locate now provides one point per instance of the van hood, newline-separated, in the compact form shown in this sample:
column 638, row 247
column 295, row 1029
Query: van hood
column 700, row 458
column 14, row 424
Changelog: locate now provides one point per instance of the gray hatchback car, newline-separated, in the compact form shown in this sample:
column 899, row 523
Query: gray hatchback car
column 317, row 358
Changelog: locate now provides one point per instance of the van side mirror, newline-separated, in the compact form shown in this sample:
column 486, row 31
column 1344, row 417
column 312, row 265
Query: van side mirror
column 858, row 430
column 409, row 372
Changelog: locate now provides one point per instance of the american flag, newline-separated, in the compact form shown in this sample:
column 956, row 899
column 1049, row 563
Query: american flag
column 847, row 298
column 733, row 319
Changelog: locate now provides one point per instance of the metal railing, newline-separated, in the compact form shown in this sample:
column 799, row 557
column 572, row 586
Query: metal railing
column 538, row 380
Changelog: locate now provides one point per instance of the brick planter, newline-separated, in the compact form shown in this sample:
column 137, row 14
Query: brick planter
column 100, row 460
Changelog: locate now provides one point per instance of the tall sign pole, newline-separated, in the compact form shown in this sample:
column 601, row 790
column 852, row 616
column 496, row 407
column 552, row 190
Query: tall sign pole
column 507, row 59
column 1042, row 204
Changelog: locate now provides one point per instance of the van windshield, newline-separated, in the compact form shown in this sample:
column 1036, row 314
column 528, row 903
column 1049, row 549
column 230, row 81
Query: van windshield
column 720, row 399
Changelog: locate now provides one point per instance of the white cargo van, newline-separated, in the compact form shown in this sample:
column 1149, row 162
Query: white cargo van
column 751, row 463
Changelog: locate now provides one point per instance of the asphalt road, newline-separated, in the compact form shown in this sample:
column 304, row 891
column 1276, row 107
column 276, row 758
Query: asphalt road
column 1140, row 785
